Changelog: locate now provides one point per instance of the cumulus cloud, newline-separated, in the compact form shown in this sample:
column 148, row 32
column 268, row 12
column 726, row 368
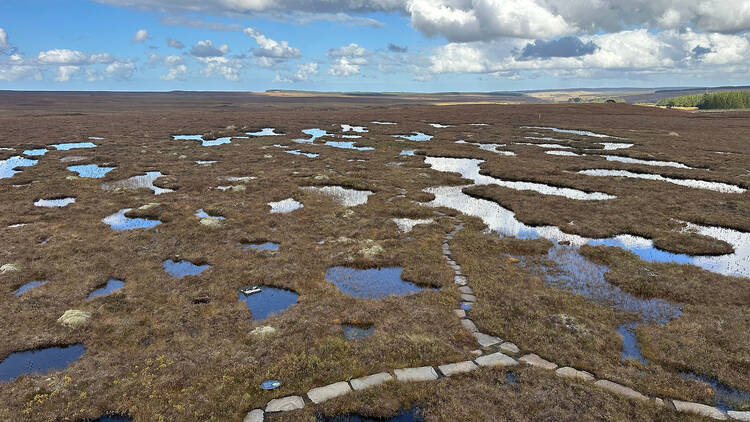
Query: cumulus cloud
column 228, row 68
column 121, row 70
column 395, row 48
column 4, row 44
column 271, row 52
column 563, row 47
column 171, row 42
column 16, row 68
column 64, row 73
column 141, row 35
column 304, row 72
column 206, row 48
column 73, row 57
column 176, row 69
column 347, row 60
column 351, row 50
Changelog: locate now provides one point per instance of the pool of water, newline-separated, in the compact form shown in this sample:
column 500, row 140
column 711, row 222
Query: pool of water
column 415, row 136
column 138, row 182
column 489, row 147
column 259, row 246
column 409, row 152
column 269, row 301
column 9, row 165
column 180, row 269
column 54, row 203
column 72, row 159
column 112, row 286
column 548, row 146
column 383, row 123
column 611, row 146
column 35, row 152
column 205, row 162
column 73, row 145
column 657, row 163
column 119, row 222
column 630, row 347
column 298, row 152
column 314, row 134
column 373, row 283
column 407, row 224
column 285, row 206
column 438, row 125
column 358, row 129
column 691, row 183
column 356, row 332
column 39, row 361
column 110, row 418
column 30, row 285
column 564, row 153
column 347, row 145
column 202, row 214
column 341, row 195
column 413, row 415
column 572, row 131
column 91, row 171
column 469, row 169
column 205, row 143
column 727, row 398
column 266, row 131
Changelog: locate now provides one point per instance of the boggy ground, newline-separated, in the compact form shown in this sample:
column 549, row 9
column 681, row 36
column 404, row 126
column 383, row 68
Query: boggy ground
column 156, row 349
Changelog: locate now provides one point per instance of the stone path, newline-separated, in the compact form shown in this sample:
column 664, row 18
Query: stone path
column 493, row 352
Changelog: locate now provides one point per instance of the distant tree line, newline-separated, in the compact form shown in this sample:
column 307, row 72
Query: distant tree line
column 713, row 101
column 596, row 100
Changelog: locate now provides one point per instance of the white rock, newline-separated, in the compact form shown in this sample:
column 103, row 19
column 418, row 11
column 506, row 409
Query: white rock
column 321, row 394
column 457, row 368
column 468, row 298
column 740, row 416
column 255, row 415
column 469, row 325
column 509, row 348
column 486, row 340
column 699, row 409
column 263, row 331
column 74, row 318
column 568, row 372
column 423, row 373
column 620, row 389
column 460, row 313
column 534, row 360
column 370, row 380
column 285, row 404
column 496, row 359
column 466, row 289
column 8, row 268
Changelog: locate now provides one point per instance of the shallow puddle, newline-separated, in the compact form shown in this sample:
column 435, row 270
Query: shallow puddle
column 469, row 169
column 202, row 214
column 112, row 286
column 205, row 143
column 180, row 269
column 8, row 166
column 413, row 415
column 727, row 398
column 383, row 123
column 119, row 222
column 138, row 182
column 489, row 147
column 548, row 146
column 438, row 125
column 691, row 183
column 30, row 285
column 342, row 196
column 415, row 136
column 72, row 159
column 39, row 361
column 657, row 163
column 264, row 301
column 314, row 134
column 73, row 145
column 373, row 283
column 285, row 206
column 408, row 152
column 54, row 203
column 572, row 131
column 35, row 152
column 259, row 246
column 347, row 145
column 91, row 171
column 358, row 129
column 407, row 224
column 356, row 332
column 611, row 146
column 630, row 347
column 298, row 152
column 266, row 131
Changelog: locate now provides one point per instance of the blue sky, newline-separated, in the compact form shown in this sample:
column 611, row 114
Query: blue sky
column 343, row 45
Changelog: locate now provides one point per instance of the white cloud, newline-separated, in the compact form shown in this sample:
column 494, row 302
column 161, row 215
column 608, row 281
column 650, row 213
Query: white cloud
column 206, row 49
column 176, row 68
column 175, row 44
column 271, row 52
column 16, row 68
column 121, row 70
column 64, row 73
column 73, row 57
column 228, row 68
column 141, row 35
column 304, row 72
column 351, row 50
column 4, row 45
column 345, row 66
column 93, row 75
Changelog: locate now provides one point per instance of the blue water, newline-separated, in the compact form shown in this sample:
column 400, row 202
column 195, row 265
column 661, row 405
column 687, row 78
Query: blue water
column 30, row 285
column 112, row 286
column 409, row 152
column 205, row 143
column 268, row 301
column 119, row 222
column 91, row 171
column 180, row 269
column 347, row 145
column 413, row 415
column 314, row 134
column 35, row 152
column 8, row 165
column 630, row 347
column 373, row 283
column 110, row 418
column 39, row 361
column 354, row 332
column 202, row 214
column 415, row 136
column 727, row 398
column 298, row 152
column 265, row 246
column 74, row 145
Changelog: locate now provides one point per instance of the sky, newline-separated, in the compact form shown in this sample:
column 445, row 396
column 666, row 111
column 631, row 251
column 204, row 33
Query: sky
column 371, row 45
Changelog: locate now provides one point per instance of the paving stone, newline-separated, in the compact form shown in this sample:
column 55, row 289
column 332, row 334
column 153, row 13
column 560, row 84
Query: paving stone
column 699, row 409
column 486, row 340
column 457, row 368
column 476, row 353
column 454, row 266
column 468, row 298
column 740, row 416
column 572, row 373
column 509, row 348
column 423, row 373
column 534, row 360
column 459, row 279
column 255, row 415
column 460, row 313
column 321, row 394
column 469, row 325
column 370, row 380
column 466, row 289
column 496, row 359
column 285, row 404
column 620, row 389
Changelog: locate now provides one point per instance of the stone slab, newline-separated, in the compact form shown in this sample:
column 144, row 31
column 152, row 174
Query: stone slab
column 457, row 368
column 321, row 394
column 572, row 373
column 620, row 389
column 460, row 313
column 469, row 325
column 495, row 359
column 739, row 416
column 255, row 415
column 466, row 289
column 509, row 348
column 535, row 360
column 423, row 373
column 285, row 404
column 370, row 380
column 468, row 298
column 699, row 409
column 486, row 340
